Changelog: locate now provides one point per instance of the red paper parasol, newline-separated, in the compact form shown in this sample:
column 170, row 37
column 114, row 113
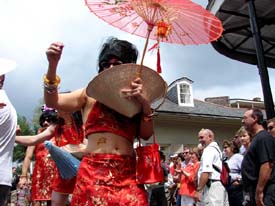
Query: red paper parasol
column 173, row 21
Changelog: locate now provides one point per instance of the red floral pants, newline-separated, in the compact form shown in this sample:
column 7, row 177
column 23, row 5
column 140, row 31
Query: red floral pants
column 108, row 180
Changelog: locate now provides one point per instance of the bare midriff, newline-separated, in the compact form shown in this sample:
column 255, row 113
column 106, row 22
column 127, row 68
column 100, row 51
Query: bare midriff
column 108, row 143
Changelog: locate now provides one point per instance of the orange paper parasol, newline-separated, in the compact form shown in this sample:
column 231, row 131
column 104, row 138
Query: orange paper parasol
column 173, row 21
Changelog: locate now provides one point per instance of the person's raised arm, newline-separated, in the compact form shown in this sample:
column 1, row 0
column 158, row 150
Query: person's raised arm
column 25, row 167
column 68, row 101
column 36, row 139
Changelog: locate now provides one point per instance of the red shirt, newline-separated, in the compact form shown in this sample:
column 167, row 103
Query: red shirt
column 187, row 184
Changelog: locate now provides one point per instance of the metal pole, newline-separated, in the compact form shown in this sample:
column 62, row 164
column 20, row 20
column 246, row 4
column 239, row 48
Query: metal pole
column 263, row 72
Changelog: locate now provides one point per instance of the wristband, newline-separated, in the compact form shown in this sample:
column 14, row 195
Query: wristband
column 56, row 82
column 147, row 118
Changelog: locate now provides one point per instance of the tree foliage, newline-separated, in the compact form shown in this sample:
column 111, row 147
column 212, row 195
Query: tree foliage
column 26, row 129
column 36, row 115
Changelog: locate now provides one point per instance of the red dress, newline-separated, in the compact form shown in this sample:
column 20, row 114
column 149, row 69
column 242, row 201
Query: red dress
column 109, row 179
column 69, row 135
column 43, row 174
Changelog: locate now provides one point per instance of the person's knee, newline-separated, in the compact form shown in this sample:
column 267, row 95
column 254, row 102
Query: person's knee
column 37, row 203
column 59, row 199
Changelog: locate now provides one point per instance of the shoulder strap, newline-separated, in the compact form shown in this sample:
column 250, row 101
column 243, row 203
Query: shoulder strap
column 219, row 151
column 214, row 166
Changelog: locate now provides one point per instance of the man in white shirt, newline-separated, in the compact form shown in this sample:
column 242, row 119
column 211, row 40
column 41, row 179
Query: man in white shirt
column 210, row 190
column 8, row 123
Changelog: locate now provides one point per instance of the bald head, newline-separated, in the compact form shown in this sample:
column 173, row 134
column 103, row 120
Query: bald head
column 206, row 136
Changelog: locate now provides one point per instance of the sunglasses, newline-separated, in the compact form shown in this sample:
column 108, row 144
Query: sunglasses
column 225, row 147
column 106, row 64
column 270, row 128
column 48, row 120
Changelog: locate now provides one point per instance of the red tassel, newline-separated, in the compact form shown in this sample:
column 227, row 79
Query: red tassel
column 154, row 46
column 158, row 62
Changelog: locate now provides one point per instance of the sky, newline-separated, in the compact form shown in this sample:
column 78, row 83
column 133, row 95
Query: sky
column 28, row 28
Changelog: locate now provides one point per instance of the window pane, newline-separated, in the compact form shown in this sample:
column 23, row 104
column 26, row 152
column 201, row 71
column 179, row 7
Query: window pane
column 184, row 93
column 184, row 88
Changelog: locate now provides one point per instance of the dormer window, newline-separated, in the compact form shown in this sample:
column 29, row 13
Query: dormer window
column 180, row 92
column 185, row 93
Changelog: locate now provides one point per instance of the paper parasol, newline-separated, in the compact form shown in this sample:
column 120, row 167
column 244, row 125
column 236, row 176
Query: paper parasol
column 66, row 163
column 172, row 21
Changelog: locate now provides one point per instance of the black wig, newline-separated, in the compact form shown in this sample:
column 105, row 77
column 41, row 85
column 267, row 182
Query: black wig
column 120, row 49
column 49, row 115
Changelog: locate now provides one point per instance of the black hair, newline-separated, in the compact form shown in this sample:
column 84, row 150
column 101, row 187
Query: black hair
column 162, row 155
column 77, row 118
column 120, row 49
column 257, row 114
column 180, row 155
column 49, row 115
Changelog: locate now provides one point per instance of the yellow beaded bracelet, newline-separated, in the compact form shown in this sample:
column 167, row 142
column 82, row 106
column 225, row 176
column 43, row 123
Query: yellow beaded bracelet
column 49, row 82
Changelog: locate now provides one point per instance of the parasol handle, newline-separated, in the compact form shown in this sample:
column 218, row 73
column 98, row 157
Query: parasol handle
column 149, row 30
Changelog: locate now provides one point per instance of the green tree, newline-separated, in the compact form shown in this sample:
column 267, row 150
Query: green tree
column 25, row 126
column 19, row 150
column 36, row 115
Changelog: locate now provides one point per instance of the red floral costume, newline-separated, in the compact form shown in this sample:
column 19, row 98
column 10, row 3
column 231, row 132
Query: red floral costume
column 43, row 174
column 69, row 134
column 108, row 179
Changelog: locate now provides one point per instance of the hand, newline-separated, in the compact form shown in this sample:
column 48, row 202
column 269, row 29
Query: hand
column 178, row 171
column 22, row 182
column 54, row 53
column 2, row 105
column 236, row 182
column 259, row 198
column 136, row 92
column 197, row 196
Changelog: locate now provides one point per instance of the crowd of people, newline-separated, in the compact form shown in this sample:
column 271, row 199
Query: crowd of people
column 106, row 174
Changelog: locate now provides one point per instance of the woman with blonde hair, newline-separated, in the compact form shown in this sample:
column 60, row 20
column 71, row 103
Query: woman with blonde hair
column 245, row 138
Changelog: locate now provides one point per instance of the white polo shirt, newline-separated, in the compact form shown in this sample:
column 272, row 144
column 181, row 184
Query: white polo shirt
column 211, row 155
column 8, row 122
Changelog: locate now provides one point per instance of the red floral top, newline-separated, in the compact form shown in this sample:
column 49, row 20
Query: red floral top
column 104, row 119
column 69, row 134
